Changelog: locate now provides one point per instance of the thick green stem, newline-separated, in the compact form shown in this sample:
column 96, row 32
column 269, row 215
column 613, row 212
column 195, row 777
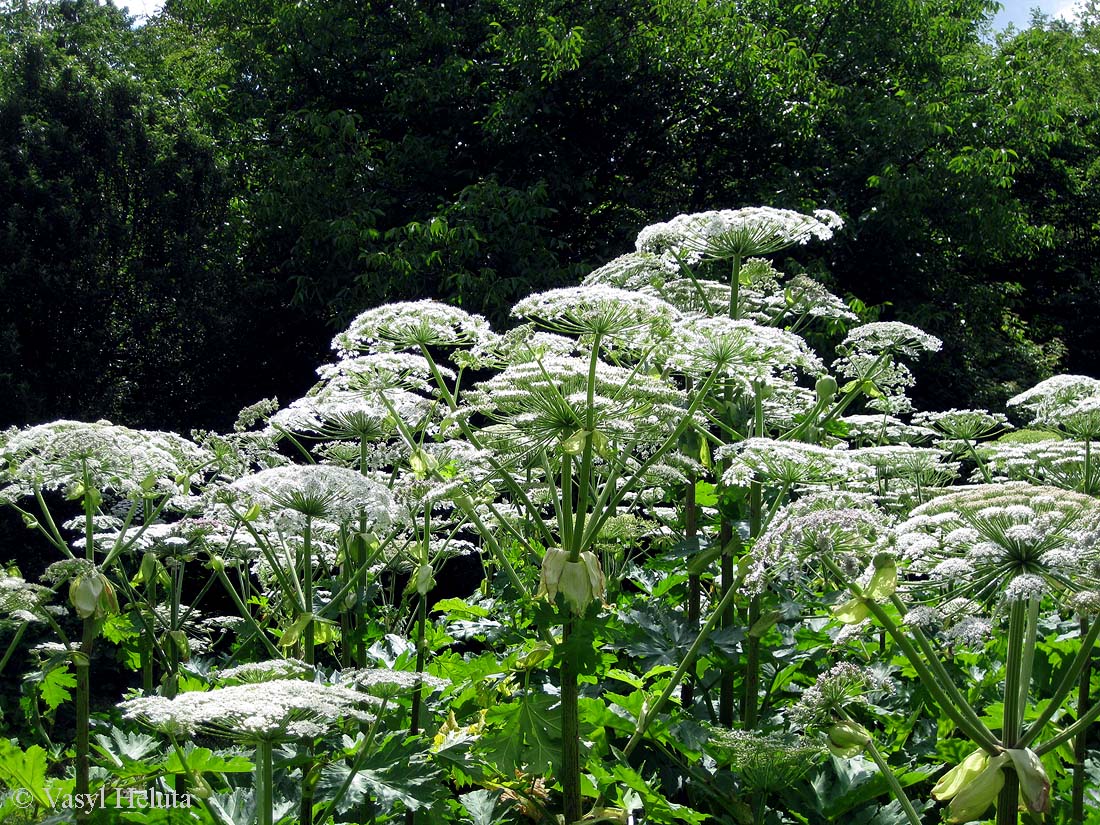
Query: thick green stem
column 421, row 655
column 265, row 792
column 735, row 286
column 148, row 677
column 977, row 731
column 1071, row 678
column 691, row 538
column 751, row 699
column 570, row 730
column 1080, row 743
column 309, row 632
column 1008, row 800
column 82, row 664
column 729, row 616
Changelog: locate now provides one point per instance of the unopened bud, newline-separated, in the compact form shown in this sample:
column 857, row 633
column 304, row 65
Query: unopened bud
column 974, row 799
column 579, row 582
column 848, row 739
column 826, row 389
column 960, row 776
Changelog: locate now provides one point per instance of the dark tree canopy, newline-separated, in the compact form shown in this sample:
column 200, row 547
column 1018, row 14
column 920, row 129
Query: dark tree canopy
column 191, row 207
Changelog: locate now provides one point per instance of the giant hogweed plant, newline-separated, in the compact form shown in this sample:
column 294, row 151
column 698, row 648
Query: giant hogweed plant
column 680, row 368
column 968, row 564
column 97, row 466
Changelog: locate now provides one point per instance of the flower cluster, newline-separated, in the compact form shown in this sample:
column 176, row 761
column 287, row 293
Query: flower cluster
column 966, row 425
column 109, row 458
column 766, row 762
column 275, row 710
column 544, row 402
column 1047, row 399
column 835, row 693
column 1002, row 542
column 791, row 463
column 20, row 600
column 411, row 326
column 599, row 310
column 845, row 528
column 319, row 490
column 739, row 350
column 735, row 232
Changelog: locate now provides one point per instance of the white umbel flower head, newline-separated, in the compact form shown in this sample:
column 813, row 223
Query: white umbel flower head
column 545, row 402
column 791, row 463
column 968, row 425
column 718, row 235
column 633, row 271
column 276, row 710
column 129, row 463
column 336, row 494
column 598, row 310
column 891, row 337
column 997, row 542
column 1049, row 398
column 410, row 326
column 739, row 350
column 845, row 528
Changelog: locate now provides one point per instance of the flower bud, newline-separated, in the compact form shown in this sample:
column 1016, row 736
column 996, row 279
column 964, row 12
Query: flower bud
column 853, row 611
column 884, row 581
column 84, row 593
column 959, row 776
column 579, row 582
column 974, row 799
column 180, row 644
column 826, row 389
column 1034, row 783
column 847, row 739
column 423, row 581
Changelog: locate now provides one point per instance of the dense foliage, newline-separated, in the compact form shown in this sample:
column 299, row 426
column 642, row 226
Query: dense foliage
column 168, row 191
column 723, row 574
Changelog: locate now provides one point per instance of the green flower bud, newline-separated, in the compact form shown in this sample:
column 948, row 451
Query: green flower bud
column 92, row 595
column 423, row 581
column 853, row 611
column 148, row 570
column 974, row 799
column 579, row 582
column 534, row 656
column 959, row 776
column 847, row 739
column 826, row 389
column 884, row 581
column 181, row 644
column 198, row 787
column 422, row 463
column 1034, row 783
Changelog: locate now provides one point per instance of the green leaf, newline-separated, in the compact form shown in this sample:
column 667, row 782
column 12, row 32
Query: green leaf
column 529, row 734
column 56, row 686
column 24, row 770
column 397, row 773
column 204, row 760
column 482, row 807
